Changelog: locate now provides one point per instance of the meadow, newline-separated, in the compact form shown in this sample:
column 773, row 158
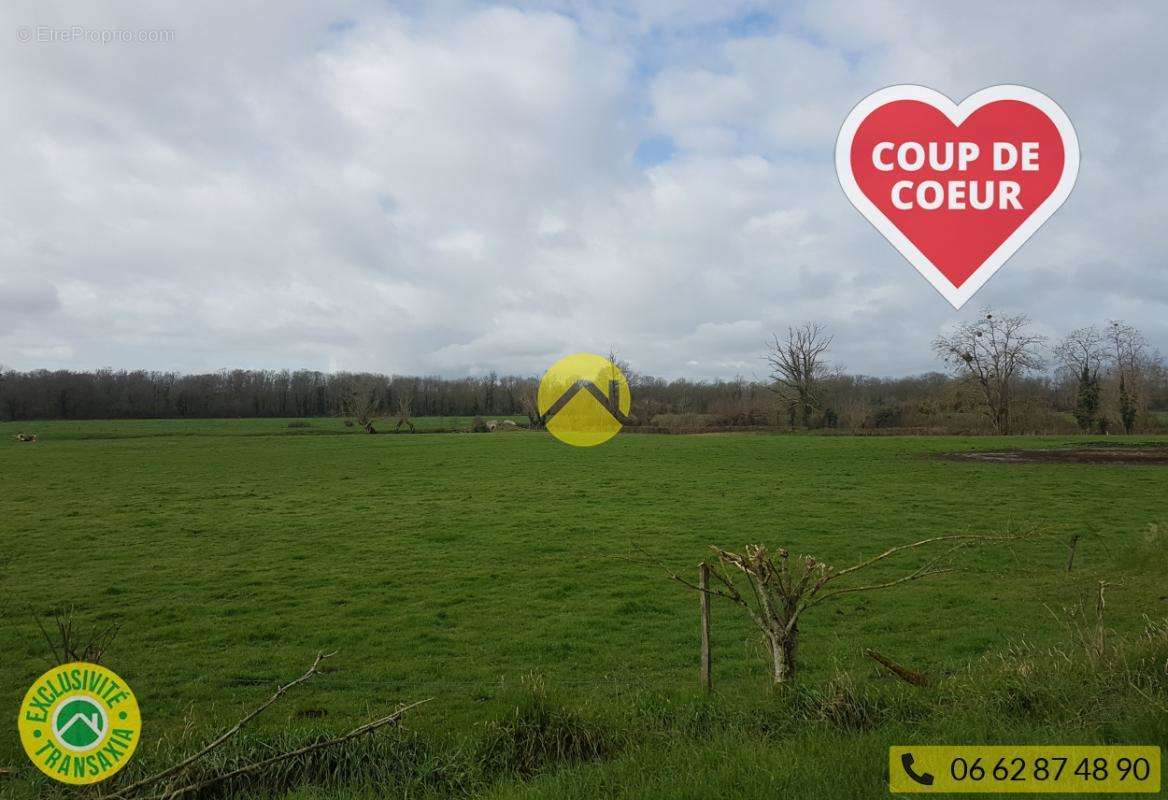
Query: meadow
column 485, row 571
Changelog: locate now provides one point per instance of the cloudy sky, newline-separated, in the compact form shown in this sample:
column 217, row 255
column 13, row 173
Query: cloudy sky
column 449, row 187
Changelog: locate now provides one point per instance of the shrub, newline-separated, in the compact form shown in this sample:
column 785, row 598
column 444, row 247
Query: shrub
column 840, row 704
column 887, row 416
column 541, row 733
column 683, row 422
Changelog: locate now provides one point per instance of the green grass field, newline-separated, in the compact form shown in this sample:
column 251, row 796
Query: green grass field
column 478, row 570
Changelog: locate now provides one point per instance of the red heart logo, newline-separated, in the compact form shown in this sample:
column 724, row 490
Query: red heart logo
column 957, row 189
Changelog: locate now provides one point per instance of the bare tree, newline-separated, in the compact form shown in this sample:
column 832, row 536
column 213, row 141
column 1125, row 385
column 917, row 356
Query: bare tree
column 797, row 366
column 361, row 404
column 1128, row 361
column 993, row 352
column 616, row 368
column 1083, row 352
column 782, row 588
column 1082, row 348
column 531, row 409
column 403, row 413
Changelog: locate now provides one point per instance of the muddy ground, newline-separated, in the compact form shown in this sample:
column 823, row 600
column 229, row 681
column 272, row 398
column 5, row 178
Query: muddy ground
column 1154, row 454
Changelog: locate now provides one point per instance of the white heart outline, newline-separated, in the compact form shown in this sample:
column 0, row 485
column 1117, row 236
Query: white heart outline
column 957, row 114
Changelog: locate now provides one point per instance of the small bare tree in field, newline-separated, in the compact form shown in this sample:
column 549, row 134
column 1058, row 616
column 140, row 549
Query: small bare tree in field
column 68, row 644
column 361, row 404
column 797, row 366
column 993, row 352
column 531, row 409
column 404, row 407
column 616, row 367
column 1083, row 353
column 780, row 588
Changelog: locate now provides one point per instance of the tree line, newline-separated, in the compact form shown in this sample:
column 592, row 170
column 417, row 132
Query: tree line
column 143, row 394
column 999, row 376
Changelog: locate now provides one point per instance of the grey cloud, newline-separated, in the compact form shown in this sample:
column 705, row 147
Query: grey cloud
column 451, row 187
column 28, row 298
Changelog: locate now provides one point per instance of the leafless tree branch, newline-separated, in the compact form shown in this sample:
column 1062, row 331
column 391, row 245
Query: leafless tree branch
column 363, row 730
column 227, row 735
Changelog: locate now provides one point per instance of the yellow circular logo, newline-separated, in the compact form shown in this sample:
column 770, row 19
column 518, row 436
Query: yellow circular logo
column 79, row 723
column 584, row 399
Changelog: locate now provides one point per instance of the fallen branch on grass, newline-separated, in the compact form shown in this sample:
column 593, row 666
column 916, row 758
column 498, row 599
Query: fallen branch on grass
column 367, row 728
column 228, row 734
column 904, row 673
column 134, row 789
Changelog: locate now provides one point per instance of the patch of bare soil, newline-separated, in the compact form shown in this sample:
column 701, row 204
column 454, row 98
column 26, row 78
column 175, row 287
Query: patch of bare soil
column 1129, row 455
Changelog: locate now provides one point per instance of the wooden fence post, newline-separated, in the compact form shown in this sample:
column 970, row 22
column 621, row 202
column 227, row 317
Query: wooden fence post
column 704, row 599
column 1071, row 554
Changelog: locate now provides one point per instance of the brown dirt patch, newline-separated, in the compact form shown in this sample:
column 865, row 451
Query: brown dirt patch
column 1128, row 455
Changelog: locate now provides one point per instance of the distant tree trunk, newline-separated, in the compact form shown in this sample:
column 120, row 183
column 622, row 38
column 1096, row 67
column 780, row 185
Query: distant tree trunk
column 1128, row 410
column 1001, row 420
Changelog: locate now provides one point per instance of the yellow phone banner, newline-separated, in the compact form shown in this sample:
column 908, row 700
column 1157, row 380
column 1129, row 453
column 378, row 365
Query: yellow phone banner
column 1023, row 769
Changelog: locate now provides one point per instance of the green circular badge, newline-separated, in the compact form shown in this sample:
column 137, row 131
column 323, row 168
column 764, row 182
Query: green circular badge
column 79, row 723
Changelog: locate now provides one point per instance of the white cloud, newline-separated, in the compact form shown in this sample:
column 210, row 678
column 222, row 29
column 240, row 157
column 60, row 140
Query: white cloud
column 453, row 188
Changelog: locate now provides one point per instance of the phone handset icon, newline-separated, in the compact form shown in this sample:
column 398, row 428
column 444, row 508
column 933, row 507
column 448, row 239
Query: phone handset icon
column 906, row 761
